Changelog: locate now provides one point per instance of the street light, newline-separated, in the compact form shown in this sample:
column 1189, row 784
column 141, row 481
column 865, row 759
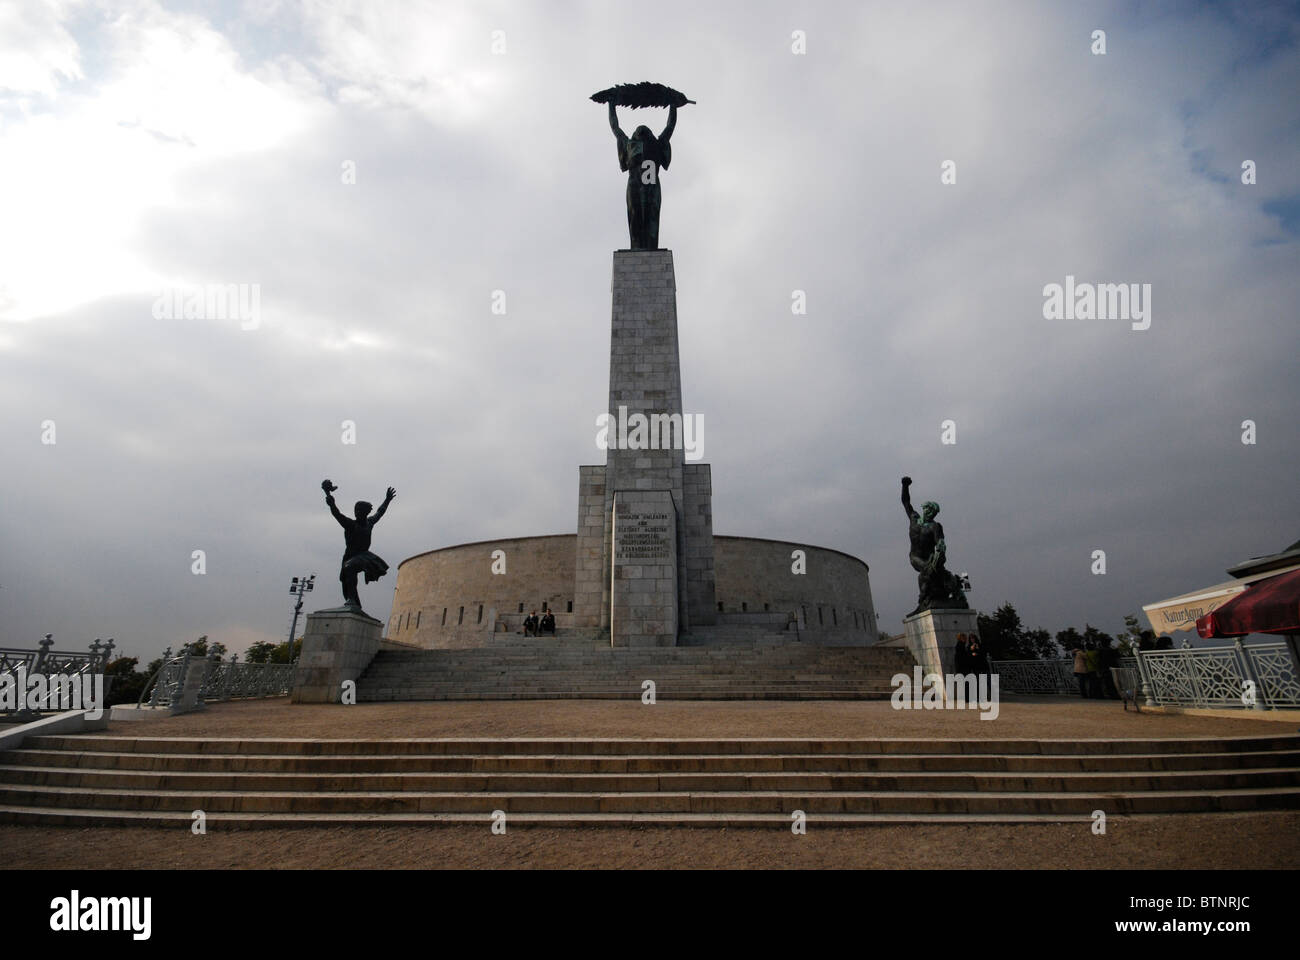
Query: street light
column 298, row 587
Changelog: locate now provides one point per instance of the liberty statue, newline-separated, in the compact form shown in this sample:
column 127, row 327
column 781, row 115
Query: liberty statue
column 643, row 155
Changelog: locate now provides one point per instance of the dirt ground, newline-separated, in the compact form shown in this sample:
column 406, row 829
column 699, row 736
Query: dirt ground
column 1047, row 718
column 1246, row 840
column 1210, row 841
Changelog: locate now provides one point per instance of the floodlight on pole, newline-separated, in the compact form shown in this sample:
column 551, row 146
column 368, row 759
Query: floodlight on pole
column 298, row 586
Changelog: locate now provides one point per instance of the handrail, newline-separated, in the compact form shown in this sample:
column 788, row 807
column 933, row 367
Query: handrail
column 153, row 679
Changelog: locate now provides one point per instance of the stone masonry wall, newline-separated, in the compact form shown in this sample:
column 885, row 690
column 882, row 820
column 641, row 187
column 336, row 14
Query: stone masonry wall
column 459, row 580
column 833, row 597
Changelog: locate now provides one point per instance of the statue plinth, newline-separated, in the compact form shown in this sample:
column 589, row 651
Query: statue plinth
column 931, row 635
column 337, row 645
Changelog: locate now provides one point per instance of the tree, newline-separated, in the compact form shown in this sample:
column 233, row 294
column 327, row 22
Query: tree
column 266, row 652
column 259, row 652
column 1042, row 644
column 1135, row 637
column 201, row 648
column 1069, row 639
column 282, row 654
column 1091, row 633
column 127, row 681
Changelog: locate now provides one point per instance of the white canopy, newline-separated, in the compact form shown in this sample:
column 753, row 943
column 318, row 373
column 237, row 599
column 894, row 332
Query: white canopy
column 1181, row 612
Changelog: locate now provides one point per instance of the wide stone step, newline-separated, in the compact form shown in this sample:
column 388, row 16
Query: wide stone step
column 725, row 802
column 105, row 779
column 653, row 763
column 155, row 783
column 81, row 817
column 793, row 747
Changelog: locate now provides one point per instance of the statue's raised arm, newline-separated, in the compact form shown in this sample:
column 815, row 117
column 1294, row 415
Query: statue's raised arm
column 329, row 489
column 907, row 500
column 383, row 507
column 672, row 123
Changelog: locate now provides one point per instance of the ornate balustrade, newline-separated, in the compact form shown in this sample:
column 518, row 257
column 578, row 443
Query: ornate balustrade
column 45, row 660
column 1260, row 675
column 221, row 680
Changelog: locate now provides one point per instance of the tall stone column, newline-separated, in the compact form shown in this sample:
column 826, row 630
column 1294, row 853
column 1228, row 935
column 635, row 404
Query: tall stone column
column 646, row 451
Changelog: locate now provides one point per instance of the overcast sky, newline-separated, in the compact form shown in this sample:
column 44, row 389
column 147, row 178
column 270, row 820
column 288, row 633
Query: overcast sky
column 148, row 148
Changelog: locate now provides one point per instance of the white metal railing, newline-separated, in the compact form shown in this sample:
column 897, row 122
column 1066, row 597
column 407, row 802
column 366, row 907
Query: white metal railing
column 222, row 680
column 1042, row 676
column 49, row 662
column 1258, row 675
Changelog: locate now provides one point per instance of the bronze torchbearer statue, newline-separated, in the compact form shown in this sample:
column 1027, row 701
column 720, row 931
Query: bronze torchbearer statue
column 643, row 155
column 357, row 558
column 938, row 588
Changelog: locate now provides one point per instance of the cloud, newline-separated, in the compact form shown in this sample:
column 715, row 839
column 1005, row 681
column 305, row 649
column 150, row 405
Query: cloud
column 159, row 149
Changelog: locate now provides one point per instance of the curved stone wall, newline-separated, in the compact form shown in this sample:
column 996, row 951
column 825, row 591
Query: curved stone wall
column 451, row 597
column 832, row 597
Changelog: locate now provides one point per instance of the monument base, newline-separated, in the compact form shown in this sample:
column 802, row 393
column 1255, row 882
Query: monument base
column 643, row 574
column 337, row 646
column 932, row 635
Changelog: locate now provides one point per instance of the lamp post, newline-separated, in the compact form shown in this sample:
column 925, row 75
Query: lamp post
column 298, row 587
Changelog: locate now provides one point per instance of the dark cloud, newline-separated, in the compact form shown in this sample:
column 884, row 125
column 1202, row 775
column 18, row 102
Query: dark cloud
column 817, row 173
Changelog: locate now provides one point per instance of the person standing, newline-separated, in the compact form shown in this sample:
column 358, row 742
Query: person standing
column 1091, row 660
column 1107, row 657
column 1081, row 670
column 961, row 656
column 979, row 660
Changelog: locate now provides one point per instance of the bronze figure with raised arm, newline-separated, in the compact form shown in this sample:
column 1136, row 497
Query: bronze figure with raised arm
column 937, row 587
column 357, row 558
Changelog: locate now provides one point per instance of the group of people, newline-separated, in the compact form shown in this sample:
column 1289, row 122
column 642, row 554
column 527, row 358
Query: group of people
column 1092, row 663
column 533, row 627
column 969, row 656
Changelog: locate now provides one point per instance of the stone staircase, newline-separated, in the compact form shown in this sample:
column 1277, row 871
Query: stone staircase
column 734, row 667
column 92, row 779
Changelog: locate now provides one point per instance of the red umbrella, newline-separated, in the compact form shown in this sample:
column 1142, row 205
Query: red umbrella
column 1269, row 606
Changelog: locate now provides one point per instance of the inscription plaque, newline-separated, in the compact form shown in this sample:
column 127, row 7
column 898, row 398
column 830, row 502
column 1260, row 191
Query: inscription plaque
column 641, row 536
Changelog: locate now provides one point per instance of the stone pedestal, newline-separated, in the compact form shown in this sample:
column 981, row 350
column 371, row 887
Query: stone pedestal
column 643, row 571
column 931, row 635
column 337, row 645
column 645, row 404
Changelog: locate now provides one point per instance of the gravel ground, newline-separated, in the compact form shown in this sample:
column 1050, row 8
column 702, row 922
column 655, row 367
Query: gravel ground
column 1045, row 718
column 1208, row 841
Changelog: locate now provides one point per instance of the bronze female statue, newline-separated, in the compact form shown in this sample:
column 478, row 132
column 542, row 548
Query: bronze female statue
column 643, row 155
